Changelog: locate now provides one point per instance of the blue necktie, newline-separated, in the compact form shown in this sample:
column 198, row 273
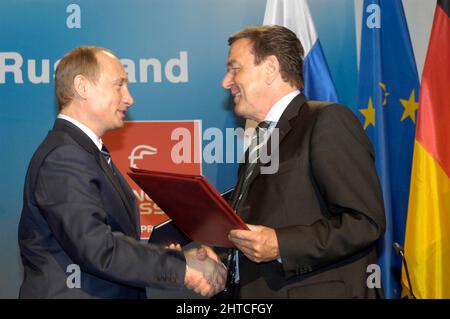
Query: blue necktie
column 106, row 155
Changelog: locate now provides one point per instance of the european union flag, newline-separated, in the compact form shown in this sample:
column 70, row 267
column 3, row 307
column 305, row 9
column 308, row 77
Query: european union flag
column 388, row 89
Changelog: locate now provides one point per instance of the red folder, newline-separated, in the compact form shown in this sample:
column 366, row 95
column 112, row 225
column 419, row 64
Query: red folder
column 192, row 203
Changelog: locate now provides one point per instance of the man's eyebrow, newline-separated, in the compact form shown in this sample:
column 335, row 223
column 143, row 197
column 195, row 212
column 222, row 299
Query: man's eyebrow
column 121, row 80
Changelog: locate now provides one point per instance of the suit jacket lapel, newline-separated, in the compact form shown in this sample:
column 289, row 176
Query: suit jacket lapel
column 283, row 126
column 134, row 211
column 84, row 141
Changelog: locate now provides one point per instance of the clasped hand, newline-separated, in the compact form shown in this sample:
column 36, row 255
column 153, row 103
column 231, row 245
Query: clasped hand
column 205, row 274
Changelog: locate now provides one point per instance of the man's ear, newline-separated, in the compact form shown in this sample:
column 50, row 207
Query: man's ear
column 272, row 69
column 81, row 86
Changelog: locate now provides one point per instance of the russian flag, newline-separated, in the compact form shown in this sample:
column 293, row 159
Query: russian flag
column 295, row 15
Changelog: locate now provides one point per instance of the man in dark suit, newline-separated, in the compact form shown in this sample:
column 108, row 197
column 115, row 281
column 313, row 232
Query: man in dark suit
column 79, row 230
column 315, row 219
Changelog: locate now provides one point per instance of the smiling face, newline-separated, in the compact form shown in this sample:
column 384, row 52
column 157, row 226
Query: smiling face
column 108, row 98
column 246, row 81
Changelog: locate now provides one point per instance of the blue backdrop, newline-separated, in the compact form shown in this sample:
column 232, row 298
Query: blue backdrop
column 41, row 30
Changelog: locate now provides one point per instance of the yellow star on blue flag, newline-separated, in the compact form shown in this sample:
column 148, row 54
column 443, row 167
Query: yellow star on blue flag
column 411, row 107
column 369, row 114
column 386, row 93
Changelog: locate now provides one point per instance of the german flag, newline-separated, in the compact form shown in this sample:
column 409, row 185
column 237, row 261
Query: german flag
column 427, row 239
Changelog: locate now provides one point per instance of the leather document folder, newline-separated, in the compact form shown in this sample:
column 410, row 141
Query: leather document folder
column 167, row 232
column 192, row 203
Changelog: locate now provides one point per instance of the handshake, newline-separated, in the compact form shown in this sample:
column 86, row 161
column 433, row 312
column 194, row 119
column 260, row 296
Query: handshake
column 205, row 273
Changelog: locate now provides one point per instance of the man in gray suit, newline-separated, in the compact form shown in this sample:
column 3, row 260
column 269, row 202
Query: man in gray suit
column 79, row 214
column 315, row 221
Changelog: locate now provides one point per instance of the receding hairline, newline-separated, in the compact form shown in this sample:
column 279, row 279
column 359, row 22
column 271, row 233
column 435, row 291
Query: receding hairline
column 106, row 54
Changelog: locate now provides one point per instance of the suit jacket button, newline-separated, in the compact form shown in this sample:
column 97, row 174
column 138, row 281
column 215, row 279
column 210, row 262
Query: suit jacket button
column 302, row 269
